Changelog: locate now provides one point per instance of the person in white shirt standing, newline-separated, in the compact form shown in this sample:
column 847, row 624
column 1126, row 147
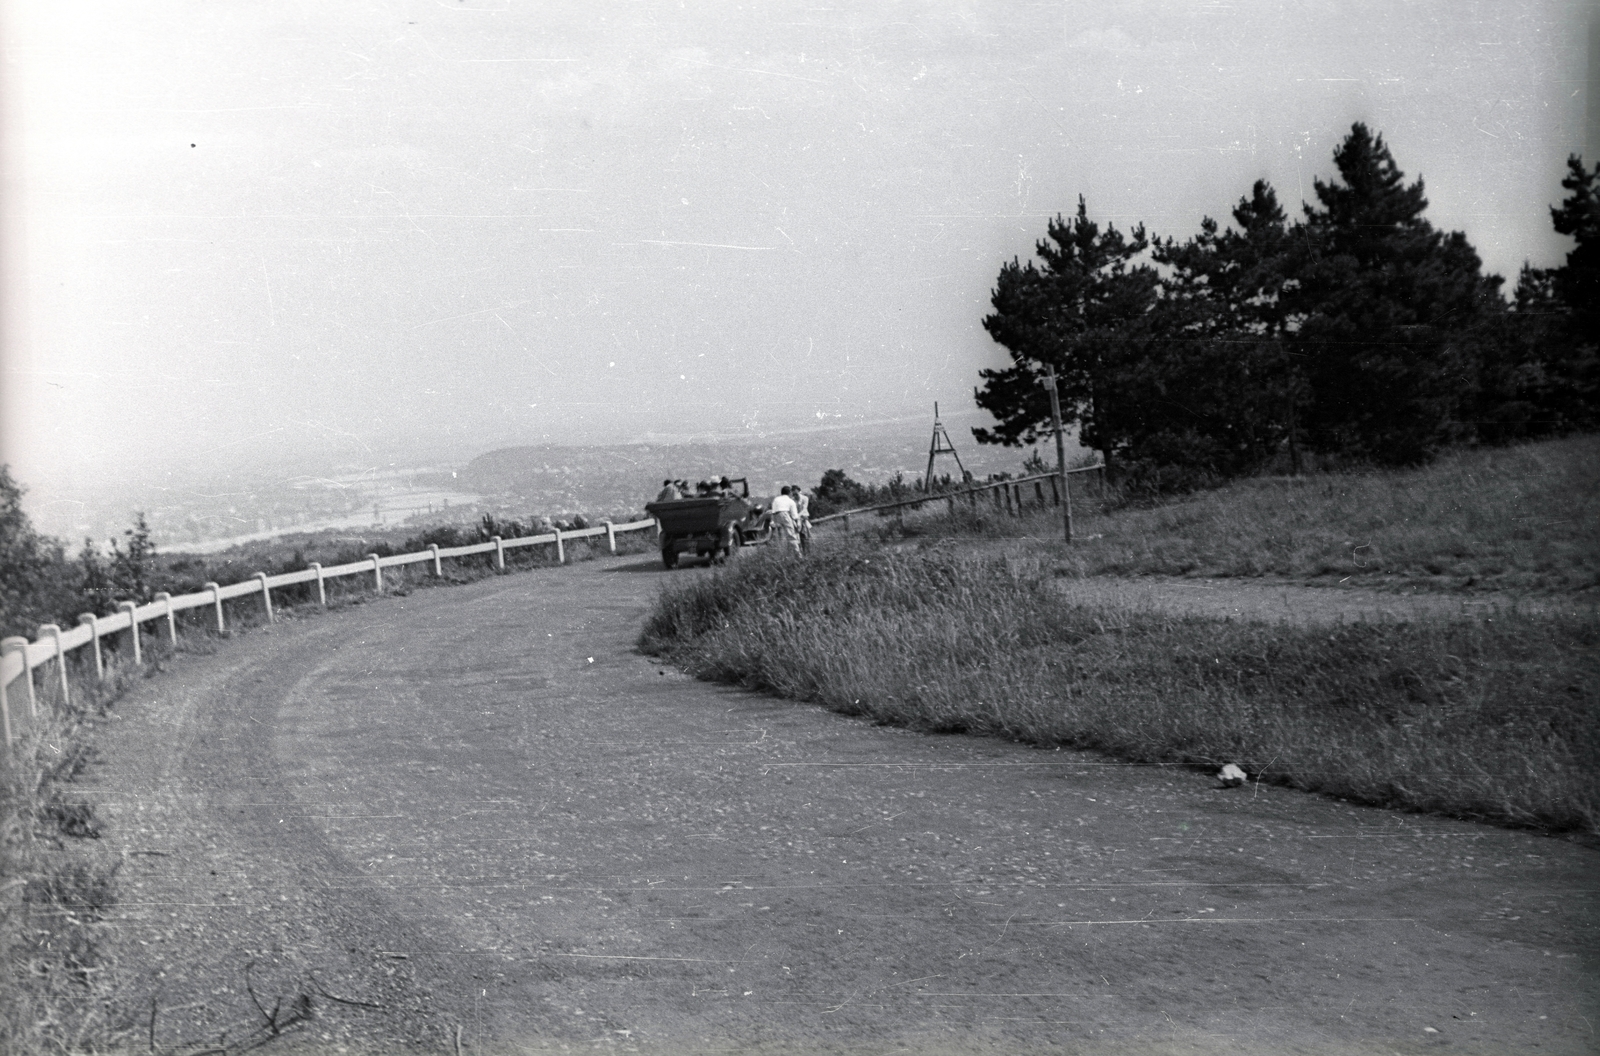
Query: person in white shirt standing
column 786, row 520
column 802, row 502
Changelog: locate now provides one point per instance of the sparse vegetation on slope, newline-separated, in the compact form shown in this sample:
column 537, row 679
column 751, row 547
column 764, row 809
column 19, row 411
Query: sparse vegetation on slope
column 1519, row 519
column 1494, row 718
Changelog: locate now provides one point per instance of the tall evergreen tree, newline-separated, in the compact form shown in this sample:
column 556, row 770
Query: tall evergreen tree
column 1082, row 311
column 1389, row 310
column 1577, row 284
column 1542, row 375
column 1225, row 394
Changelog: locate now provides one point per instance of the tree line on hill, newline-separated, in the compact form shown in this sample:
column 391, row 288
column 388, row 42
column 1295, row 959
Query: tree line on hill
column 836, row 491
column 1358, row 334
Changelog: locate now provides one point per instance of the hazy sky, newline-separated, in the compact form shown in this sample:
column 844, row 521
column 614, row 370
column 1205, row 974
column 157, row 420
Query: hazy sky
column 306, row 233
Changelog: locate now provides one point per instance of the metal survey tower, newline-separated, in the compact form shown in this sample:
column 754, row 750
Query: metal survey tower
column 940, row 445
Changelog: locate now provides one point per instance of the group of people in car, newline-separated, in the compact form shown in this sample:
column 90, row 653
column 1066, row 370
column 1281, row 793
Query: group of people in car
column 672, row 490
column 790, row 509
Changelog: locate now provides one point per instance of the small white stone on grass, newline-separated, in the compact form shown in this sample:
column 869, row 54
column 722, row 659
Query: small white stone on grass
column 1231, row 776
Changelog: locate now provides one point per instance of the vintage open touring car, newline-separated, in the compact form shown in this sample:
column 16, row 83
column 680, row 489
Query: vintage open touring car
column 713, row 525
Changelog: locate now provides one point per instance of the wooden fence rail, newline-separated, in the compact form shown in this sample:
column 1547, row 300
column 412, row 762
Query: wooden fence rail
column 19, row 658
column 1005, row 493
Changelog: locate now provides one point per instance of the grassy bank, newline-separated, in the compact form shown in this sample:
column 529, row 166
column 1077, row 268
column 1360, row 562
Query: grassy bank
column 1491, row 718
column 1517, row 519
column 57, row 880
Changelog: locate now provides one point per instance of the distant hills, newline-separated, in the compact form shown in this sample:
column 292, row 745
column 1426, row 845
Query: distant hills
column 202, row 511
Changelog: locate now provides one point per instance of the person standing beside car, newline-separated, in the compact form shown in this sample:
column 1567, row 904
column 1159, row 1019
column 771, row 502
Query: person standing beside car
column 786, row 520
column 802, row 503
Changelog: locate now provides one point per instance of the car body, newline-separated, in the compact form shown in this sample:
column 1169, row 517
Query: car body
column 711, row 526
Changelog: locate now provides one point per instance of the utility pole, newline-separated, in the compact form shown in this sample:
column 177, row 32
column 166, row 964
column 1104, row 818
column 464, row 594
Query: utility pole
column 1061, row 449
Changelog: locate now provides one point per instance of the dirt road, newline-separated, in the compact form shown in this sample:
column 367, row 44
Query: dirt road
column 477, row 815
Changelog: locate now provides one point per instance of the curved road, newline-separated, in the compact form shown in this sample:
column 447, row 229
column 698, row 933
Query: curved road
column 478, row 816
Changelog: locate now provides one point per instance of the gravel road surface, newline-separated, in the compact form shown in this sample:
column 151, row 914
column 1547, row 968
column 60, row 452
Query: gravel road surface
column 477, row 819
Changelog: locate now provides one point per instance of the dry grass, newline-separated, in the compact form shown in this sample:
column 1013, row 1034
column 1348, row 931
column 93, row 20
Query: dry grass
column 57, row 881
column 1518, row 519
column 1496, row 719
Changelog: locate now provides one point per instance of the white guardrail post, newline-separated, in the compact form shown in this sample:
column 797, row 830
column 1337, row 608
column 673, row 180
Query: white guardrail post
column 54, row 632
column 172, row 624
column 322, row 591
column 438, row 572
column 20, row 645
column 7, row 647
column 94, row 634
column 611, row 535
column 561, row 551
column 216, row 602
column 499, row 553
column 133, row 629
column 266, row 596
column 377, row 572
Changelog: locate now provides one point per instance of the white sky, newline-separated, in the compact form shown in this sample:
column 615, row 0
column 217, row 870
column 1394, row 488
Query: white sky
column 304, row 233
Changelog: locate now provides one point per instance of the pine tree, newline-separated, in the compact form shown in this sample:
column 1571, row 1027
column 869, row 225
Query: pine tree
column 1542, row 374
column 1081, row 311
column 1577, row 284
column 1225, row 393
column 1390, row 310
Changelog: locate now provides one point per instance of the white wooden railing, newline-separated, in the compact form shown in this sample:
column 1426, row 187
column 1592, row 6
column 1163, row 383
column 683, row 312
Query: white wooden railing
column 19, row 658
